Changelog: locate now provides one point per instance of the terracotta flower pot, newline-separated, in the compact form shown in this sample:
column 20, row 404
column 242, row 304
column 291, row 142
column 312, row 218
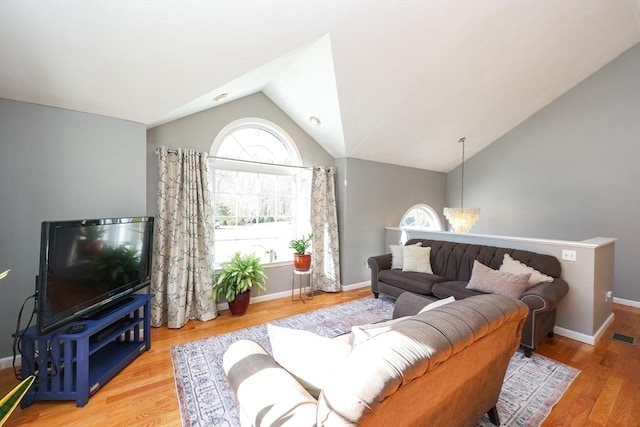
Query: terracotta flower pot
column 302, row 262
column 239, row 305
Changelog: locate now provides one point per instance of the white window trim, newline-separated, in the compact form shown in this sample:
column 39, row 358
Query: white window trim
column 429, row 209
column 254, row 122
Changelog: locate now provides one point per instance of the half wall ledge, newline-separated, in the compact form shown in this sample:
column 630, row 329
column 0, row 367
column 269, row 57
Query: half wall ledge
column 588, row 307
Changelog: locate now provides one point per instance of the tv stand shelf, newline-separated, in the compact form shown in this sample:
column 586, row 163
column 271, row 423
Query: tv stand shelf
column 73, row 366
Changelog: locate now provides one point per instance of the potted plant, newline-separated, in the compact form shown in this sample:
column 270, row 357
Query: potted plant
column 236, row 279
column 9, row 402
column 92, row 243
column 116, row 265
column 301, row 259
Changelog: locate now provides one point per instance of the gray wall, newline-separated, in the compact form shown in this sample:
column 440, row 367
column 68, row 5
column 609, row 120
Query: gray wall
column 198, row 132
column 570, row 172
column 375, row 196
column 58, row 164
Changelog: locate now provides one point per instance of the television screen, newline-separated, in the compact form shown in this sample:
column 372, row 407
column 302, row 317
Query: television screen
column 87, row 264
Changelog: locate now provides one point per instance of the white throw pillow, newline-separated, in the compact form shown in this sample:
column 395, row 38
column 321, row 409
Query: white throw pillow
column 417, row 259
column 396, row 255
column 362, row 333
column 438, row 303
column 486, row 279
column 307, row 356
column 513, row 266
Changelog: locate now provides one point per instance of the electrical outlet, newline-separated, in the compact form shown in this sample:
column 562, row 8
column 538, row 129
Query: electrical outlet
column 366, row 265
column 568, row 255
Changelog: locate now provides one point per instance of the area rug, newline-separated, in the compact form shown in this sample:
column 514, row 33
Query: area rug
column 532, row 385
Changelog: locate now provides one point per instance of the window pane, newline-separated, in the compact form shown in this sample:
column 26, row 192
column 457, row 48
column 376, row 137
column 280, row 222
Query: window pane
column 257, row 217
column 421, row 216
column 259, row 211
column 255, row 144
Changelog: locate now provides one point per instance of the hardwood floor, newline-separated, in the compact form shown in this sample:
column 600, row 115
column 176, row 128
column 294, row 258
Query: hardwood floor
column 606, row 393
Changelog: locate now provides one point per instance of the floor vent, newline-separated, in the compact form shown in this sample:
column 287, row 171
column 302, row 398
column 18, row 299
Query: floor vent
column 624, row 338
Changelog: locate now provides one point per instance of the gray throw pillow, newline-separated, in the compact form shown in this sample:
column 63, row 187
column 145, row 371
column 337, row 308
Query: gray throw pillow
column 492, row 281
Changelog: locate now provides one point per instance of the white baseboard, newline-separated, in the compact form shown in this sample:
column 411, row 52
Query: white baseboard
column 587, row 339
column 284, row 294
column 7, row 362
column 356, row 286
column 628, row 302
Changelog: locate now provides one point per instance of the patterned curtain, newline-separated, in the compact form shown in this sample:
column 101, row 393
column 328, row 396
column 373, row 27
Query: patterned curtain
column 325, row 264
column 181, row 278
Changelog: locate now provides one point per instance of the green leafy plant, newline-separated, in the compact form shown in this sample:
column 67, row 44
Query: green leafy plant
column 116, row 265
column 9, row 402
column 93, row 233
column 301, row 245
column 239, row 275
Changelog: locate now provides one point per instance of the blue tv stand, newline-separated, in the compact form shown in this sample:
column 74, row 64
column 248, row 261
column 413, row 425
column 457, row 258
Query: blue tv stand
column 73, row 363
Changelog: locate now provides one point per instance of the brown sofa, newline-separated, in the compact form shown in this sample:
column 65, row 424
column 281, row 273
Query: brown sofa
column 452, row 264
column 442, row 367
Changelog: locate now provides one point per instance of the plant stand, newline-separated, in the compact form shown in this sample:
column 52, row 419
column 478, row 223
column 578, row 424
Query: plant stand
column 300, row 275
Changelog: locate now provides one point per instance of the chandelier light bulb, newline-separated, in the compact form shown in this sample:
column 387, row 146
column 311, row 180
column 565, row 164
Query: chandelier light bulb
column 462, row 219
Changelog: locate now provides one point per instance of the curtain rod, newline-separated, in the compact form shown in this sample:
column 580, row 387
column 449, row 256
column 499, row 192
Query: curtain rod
column 245, row 161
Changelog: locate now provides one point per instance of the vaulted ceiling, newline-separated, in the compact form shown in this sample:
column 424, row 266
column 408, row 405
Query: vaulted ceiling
column 391, row 81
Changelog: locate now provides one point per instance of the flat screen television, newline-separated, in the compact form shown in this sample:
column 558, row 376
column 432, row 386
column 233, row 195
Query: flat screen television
column 89, row 265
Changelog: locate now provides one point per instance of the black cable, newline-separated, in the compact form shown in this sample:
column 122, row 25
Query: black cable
column 17, row 337
column 55, row 363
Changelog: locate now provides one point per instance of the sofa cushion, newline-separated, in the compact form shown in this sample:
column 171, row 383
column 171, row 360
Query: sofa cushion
column 408, row 304
column 458, row 290
column 362, row 333
column 397, row 260
column 486, row 279
column 455, row 260
column 437, row 304
column 513, row 266
column 419, row 283
column 305, row 355
column 416, row 258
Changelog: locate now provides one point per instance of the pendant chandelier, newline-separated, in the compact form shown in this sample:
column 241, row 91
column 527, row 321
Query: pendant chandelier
column 462, row 219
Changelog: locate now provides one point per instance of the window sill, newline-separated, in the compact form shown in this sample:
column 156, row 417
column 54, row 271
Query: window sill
column 218, row 267
column 278, row 264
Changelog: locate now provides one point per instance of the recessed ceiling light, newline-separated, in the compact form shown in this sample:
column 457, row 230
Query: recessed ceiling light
column 314, row 120
column 221, row 97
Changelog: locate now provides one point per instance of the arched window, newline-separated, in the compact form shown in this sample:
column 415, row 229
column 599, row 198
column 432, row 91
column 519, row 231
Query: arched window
column 420, row 216
column 256, row 140
column 260, row 191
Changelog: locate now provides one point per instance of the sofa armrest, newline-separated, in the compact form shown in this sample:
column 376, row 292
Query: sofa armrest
column 267, row 393
column 409, row 304
column 545, row 296
column 376, row 265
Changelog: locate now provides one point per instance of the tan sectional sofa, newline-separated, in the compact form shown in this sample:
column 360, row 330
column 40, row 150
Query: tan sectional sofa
column 442, row 367
column 452, row 266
